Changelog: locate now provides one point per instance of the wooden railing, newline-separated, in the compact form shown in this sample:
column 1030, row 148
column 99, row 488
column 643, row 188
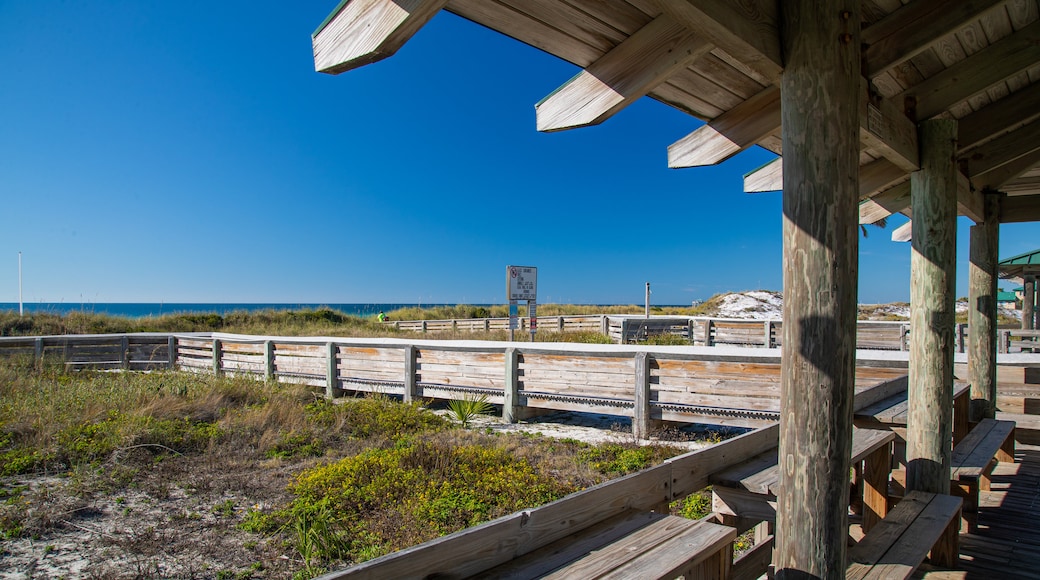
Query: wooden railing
column 645, row 384
column 479, row 549
column 705, row 331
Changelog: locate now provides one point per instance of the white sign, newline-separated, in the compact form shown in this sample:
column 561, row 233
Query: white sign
column 522, row 282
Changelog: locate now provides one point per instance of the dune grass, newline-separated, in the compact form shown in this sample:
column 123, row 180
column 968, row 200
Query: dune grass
column 338, row 482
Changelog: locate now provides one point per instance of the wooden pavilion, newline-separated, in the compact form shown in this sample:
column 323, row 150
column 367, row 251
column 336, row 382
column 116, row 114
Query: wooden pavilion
column 1024, row 267
column 925, row 107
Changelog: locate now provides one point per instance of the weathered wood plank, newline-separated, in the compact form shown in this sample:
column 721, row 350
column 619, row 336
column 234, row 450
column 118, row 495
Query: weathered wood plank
column 623, row 75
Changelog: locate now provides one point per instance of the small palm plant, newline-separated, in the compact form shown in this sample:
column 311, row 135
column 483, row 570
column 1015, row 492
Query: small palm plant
column 469, row 407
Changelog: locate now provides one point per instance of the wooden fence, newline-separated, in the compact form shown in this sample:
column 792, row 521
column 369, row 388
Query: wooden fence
column 704, row 331
column 645, row 384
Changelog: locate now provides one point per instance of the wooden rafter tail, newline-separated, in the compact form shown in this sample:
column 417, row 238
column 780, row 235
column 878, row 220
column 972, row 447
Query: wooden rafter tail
column 360, row 32
column 903, row 232
column 729, row 133
column 769, row 177
column 620, row 77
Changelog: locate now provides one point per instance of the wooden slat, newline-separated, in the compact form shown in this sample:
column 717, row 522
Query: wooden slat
column 976, row 73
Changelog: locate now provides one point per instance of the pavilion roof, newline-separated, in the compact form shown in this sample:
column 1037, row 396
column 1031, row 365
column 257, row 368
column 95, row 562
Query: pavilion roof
column 720, row 61
column 1020, row 265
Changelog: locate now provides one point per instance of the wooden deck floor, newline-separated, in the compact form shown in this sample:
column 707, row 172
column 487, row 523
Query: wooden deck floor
column 1007, row 543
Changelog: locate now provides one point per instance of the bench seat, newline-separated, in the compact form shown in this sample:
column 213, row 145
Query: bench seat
column 631, row 545
column 748, row 490
column 973, row 460
column 896, row 547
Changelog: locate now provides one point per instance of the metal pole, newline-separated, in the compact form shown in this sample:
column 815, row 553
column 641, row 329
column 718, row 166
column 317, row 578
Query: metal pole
column 648, row 300
column 20, row 309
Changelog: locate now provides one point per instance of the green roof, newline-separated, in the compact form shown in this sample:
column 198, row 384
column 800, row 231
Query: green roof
column 1020, row 265
column 1006, row 297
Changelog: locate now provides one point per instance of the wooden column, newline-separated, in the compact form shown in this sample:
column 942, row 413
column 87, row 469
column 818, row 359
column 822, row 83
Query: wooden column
column 124, row 352
column 933, row 193
column 982, row 310
column 820, row 98
column 1028, row 302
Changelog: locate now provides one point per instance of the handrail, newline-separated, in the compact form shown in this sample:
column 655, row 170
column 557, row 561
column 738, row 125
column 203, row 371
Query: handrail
column 647, row 384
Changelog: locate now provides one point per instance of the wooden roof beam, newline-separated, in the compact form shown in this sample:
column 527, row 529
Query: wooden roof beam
column 1019, row 208
column 747, row 30
column 629, row 71
column 911, row 29
column 360, row 32
column 897, row 200
column 1002, row 150
column 998, row 61
column 873, row 177
column 729, row 133
column 1007, row 172
column 1014, row 110
column 882, row 126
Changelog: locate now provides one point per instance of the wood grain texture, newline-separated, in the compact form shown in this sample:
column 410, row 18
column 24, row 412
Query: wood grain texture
column 365, row 31
column 932, row 288
column 821, row 169
column 982, row 311
column 623, row 75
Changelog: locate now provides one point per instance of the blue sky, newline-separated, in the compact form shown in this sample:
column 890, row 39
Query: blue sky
column 188, row 152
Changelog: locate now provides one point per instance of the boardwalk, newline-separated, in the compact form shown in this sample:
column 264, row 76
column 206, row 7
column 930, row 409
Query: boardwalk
column 1007, row 544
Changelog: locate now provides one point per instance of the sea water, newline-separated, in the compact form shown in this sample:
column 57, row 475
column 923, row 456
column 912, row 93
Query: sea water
column 143, row 309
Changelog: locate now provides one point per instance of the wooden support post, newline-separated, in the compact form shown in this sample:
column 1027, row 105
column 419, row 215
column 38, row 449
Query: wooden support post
column 218, row 369
column 269, row 360
column 331, row 372
column 38, row 351
column 624, row 331
column 561, row 323
column 768, row 341
column 411, row 366
column 1028, row 301
column 904, row 337
column 982, row 310
column 933, row 192
column 820, row 92
column 171, row 353
column 511, row 403
column 124, row 352
column 709, row 333
column 641, row 413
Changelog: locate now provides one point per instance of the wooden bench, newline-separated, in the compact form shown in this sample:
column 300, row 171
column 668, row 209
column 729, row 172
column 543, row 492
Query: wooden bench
column 921, row 523
column 1027, row 427
column 973, row 459
column 631, row 545
column 748, row 490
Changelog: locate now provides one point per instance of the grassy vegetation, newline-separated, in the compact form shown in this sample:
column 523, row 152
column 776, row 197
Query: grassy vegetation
column 332, row 483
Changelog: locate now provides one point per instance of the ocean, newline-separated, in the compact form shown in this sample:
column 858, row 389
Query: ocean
column 143, row 309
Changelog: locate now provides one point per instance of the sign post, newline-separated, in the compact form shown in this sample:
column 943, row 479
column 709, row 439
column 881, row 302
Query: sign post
column 522, row 284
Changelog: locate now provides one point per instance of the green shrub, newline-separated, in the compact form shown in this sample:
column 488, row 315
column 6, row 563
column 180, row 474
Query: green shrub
column 388, row 498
